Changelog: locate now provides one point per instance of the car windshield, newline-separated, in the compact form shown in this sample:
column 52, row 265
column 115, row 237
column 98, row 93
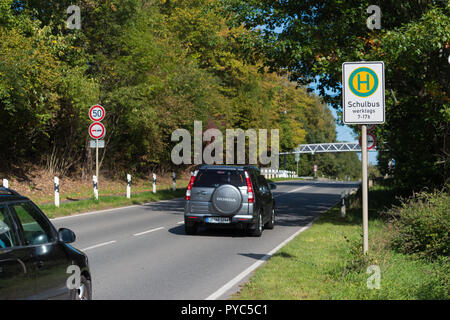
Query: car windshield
column 215, row 178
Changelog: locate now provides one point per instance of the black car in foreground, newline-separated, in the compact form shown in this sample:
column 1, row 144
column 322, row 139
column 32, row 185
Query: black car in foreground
column 36, row 260
column 229, row 195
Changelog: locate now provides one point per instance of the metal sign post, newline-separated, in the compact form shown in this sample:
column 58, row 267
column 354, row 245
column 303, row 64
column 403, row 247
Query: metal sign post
column 96, row 157
column 365, row 197
column 96, row 131
column 363, row 102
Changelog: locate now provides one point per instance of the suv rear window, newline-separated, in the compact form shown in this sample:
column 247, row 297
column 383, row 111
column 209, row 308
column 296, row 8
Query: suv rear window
column 215, row 178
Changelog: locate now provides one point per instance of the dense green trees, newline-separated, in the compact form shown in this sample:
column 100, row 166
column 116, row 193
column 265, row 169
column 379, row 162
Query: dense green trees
column 313, row 38
column 155, row 66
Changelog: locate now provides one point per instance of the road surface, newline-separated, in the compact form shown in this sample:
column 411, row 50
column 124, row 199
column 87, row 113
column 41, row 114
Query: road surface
column 141, row 252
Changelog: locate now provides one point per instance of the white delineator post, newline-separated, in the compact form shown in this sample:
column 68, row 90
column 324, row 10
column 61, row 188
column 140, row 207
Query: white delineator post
column 5, row 183
column 365, row 191
column 174, row 181
column 56, row 184
column 128, row 186
column 154, row 183
column 95, row 180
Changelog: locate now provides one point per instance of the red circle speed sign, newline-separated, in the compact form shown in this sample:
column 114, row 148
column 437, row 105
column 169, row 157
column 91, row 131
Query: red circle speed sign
column 97, row 130
column 371, row 141
column 97, row 113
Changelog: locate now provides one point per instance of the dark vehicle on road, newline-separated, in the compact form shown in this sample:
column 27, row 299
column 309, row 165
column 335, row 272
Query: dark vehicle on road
column 35, row 258
column 229, row 195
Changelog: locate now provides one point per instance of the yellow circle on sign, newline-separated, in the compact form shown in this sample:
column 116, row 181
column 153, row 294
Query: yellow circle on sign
column 363, row 82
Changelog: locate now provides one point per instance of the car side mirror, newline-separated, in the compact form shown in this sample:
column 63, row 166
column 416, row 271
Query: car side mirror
column 272, row 186
column 66, row 235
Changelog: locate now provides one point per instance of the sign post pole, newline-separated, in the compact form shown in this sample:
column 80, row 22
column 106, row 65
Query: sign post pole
column 365, row 193
column 96, row 157
column 363, row 102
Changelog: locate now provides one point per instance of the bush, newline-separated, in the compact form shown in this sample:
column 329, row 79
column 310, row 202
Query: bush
column 421, row 224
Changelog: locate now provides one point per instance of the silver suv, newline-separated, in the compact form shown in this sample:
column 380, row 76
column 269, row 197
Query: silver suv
column 229, row 195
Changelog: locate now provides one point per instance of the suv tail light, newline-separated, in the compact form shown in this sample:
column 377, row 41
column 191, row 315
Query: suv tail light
column 251, row 197
column 189, row 188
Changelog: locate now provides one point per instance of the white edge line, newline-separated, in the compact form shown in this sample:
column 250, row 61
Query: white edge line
column 148, row 231
column 111, row 209
column 180, row 222
column 250, row 269
column 98, row 245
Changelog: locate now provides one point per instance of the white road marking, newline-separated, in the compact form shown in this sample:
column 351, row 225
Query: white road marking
column 181, row 222
column 98, row 245
column 148, row 231
column 294, row 190
column 250, row 269
column 113, row 209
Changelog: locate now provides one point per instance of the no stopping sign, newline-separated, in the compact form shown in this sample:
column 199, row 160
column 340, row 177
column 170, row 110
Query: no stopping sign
column 97, row 130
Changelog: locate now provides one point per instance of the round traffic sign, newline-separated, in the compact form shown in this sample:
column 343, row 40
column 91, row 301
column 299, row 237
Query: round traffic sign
column 97, row 113
column 363, row 82
column 371, row 141
column 97, row 130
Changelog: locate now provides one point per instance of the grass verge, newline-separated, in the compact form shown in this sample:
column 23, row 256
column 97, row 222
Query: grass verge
column 326, row 262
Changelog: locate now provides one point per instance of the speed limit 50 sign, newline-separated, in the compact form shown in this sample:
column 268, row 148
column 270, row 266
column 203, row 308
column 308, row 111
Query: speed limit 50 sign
column 97, row 113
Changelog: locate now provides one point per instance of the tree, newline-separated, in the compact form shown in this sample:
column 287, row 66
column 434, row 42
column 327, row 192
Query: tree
column 313, row 38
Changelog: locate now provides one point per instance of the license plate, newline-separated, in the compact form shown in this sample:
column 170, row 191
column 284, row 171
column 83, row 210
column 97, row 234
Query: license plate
column 217, row 220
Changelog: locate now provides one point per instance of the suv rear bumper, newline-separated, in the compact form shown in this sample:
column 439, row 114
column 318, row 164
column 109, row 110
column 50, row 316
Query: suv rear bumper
column 236, row 219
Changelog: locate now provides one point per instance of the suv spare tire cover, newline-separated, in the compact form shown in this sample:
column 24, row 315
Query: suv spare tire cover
column 227, row 199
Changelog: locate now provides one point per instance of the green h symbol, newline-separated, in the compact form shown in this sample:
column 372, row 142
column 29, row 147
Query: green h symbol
column 366, row 82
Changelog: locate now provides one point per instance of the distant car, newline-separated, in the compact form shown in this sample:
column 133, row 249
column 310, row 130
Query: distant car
column 34, row 257
column 229, row 195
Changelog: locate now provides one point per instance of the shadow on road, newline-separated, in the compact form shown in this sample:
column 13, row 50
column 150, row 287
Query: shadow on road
column 175, row 206
column 259, row 256
column 212, row 231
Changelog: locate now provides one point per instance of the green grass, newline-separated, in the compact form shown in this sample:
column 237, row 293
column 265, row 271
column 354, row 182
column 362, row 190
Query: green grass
column 107, row 202
column 326, row 262
column 85, row 191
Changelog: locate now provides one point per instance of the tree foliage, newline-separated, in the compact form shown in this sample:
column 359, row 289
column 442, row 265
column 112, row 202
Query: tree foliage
column 313, row 38
column 155, row 66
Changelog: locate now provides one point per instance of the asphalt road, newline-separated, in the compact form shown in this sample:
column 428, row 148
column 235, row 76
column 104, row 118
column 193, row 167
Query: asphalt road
column 141, row 252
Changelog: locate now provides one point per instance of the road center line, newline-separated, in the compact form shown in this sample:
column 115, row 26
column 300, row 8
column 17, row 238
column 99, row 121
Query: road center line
column 148, row 231
column 98, row 245
column 295, row 190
